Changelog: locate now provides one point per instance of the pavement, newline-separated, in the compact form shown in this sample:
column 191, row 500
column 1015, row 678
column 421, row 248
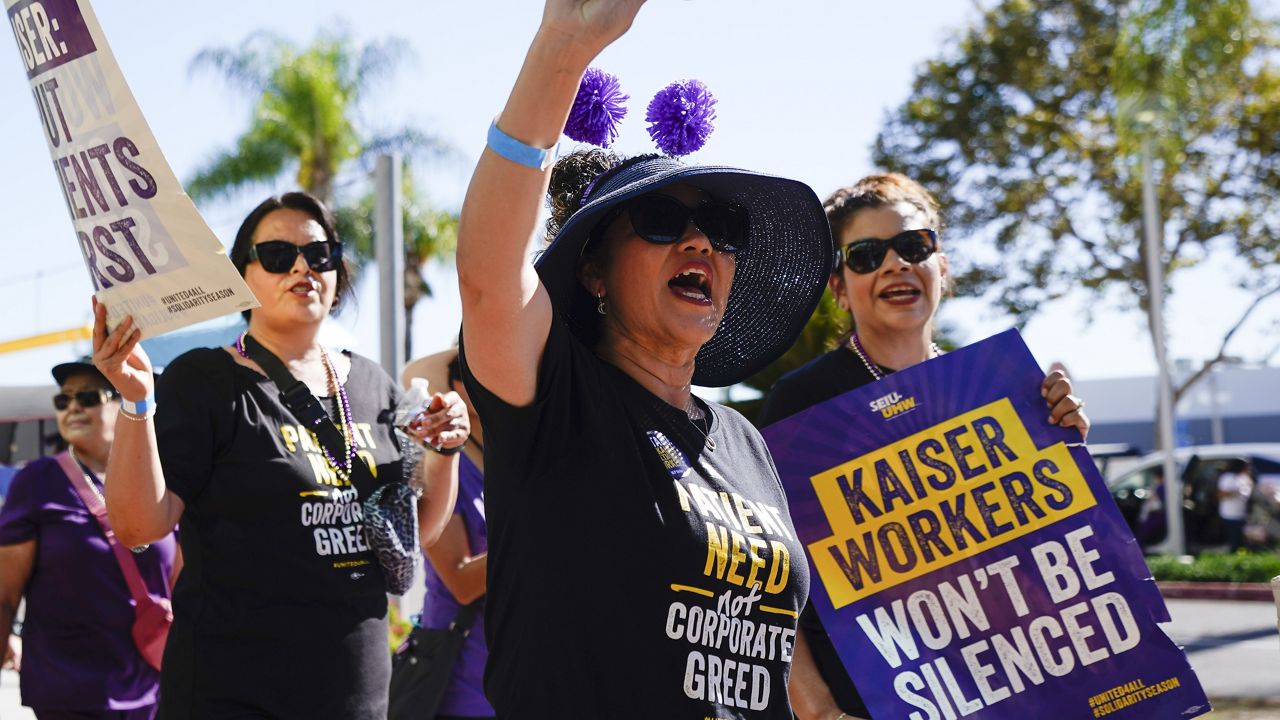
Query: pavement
column 1232, row 645
column 10, row 705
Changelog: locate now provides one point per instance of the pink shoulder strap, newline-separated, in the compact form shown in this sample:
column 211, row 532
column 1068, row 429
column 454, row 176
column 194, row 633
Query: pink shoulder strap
column 128, row 566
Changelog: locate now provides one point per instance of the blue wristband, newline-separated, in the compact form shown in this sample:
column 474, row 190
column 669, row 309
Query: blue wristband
column 142, row 408
column 518, row 152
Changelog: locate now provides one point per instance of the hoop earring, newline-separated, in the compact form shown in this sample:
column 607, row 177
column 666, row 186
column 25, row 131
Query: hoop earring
column 600, row 306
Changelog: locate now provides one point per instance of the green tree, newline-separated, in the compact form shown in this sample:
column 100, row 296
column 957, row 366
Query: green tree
column 826, row 328
column 306, row 119
column 820, row 334
column 1027, row 125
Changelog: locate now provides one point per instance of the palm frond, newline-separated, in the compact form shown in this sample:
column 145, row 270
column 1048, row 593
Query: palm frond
column 378, row 61
column 247, row 67
column 413, row 143
column 255, row 159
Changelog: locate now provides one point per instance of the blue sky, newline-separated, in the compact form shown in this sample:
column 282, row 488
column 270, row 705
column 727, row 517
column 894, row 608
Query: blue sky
column 803, row 87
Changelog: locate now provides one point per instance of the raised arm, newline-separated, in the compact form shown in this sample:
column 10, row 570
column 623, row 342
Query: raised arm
column 142, row 509
column 506, row 313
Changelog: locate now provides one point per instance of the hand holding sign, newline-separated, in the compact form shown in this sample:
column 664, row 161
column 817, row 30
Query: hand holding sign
column 149, row 254
column 1065, row 409
column 120, row 358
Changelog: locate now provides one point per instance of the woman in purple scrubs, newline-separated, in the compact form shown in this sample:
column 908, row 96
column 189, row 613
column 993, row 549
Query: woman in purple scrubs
column 78, row 660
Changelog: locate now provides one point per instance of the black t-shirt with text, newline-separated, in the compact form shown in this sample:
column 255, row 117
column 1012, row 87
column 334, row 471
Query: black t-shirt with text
column 633, row 573
column 826, row 376
column 280, row 609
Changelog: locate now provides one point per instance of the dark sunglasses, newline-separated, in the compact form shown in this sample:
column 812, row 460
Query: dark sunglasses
column 864, row 256
column 86, row 398
column 278, row 256
column 662, row 220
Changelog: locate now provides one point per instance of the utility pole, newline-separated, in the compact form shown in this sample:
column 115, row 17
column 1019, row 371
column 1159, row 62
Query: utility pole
column 1153, row 237
column 1216, row 408
column 389, row 253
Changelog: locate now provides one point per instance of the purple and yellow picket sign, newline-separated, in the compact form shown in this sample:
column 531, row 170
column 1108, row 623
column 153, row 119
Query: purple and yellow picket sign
column 148, row 252
column 967, row 558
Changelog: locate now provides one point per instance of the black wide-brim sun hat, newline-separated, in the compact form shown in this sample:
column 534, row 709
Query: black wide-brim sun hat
column 779, row 278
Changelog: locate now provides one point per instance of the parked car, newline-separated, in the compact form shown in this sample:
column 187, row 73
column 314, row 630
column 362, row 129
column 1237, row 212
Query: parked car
column 1141, row 500
column 1114, row 459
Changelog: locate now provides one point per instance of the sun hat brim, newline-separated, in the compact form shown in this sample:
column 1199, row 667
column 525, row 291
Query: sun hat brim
column 779, row 278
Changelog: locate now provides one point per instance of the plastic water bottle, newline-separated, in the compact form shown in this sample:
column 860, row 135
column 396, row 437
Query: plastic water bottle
column 415, row 402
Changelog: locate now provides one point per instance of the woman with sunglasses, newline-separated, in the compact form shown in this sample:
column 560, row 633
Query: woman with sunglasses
column 282, row 611
column 642, row 561
column 890, row 278
column 78, row 658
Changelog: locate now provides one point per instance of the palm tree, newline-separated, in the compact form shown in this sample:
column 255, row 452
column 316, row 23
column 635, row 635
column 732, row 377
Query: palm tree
column 306, row 116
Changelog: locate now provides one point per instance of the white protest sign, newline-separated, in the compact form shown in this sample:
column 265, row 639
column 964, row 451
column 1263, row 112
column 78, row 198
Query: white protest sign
column 148, row 251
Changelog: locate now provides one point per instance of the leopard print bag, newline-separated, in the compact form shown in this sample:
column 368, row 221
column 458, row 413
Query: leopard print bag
column 391, row 529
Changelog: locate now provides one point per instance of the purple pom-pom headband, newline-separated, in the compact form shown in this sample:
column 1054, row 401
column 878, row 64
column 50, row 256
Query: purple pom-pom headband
column 597, row 110
column 681, row 116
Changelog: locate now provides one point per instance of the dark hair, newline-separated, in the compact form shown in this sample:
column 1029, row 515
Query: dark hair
column 572, row 179
column 876, row 191
column 1237, row 465
column 575, row 175
column 302, row 202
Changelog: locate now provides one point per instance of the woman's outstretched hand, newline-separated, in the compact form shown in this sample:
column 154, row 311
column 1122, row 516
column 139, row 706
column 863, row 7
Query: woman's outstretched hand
column 593, row 23
column 119, row 357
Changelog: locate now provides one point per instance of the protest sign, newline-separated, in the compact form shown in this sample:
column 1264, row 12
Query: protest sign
column 148, row 252
column 967, row 558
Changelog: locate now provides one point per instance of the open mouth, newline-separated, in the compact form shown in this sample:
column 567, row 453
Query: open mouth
column 900, row 294
column 692, row 284
column 303, row 288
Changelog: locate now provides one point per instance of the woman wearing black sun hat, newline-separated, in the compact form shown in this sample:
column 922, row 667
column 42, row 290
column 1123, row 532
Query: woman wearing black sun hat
column 642, row 560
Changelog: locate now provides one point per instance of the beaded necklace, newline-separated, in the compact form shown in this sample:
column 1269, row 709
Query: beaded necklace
column 342, row 408
column 856, row 346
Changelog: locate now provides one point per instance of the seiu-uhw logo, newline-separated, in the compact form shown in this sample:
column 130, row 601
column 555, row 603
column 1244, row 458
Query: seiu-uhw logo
column 892, row 405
